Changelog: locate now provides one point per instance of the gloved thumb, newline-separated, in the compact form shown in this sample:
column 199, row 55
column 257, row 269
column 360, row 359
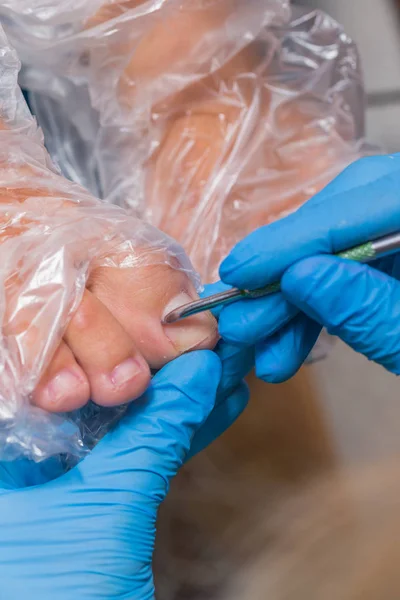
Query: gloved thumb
column 150, row 444
column 355, row 302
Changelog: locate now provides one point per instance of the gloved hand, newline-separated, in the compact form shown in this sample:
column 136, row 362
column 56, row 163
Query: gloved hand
column 233, row 394
column 90, row 533
column 358, row 303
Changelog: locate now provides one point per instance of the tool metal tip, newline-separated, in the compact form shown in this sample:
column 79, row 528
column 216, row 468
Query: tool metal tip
column 172, row 317
column 187, row 310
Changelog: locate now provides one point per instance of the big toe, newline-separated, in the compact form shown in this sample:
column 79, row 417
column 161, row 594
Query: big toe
column 140, row 298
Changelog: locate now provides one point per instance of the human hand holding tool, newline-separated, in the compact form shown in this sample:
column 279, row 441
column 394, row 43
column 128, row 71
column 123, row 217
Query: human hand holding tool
column 356, row 302
column 364, row 253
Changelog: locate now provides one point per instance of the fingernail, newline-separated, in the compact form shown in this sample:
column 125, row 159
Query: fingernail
column 190, row 333
column 65, row 385
column 126, row 372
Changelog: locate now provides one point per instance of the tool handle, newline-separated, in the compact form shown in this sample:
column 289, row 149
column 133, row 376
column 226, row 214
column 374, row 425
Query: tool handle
column 362, row 253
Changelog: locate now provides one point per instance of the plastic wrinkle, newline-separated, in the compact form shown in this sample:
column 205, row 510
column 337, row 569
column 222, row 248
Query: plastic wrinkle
column 207, row 118
column 233, row 121
column 52, row 234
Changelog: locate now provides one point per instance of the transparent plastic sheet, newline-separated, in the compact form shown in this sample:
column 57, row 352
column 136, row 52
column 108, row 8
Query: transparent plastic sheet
column 53, row 235
column 208, row 118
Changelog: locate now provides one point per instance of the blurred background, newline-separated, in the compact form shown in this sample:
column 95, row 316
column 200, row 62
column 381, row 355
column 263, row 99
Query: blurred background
column 360, row 401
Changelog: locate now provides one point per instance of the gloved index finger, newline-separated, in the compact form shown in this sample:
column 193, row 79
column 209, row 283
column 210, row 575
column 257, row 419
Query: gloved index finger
column 150, row 443
column 327, row 224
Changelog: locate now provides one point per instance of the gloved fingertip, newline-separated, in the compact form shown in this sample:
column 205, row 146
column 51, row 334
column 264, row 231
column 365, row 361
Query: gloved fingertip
column 231, row 335
column 272, row 370
column 279, row 358
column 192, row 367
column 227, row 268
column 208, row 358
column 214, row 288
column 238, row 266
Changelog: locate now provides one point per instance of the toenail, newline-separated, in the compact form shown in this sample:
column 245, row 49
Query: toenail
column 126, row 372
column 179, row 300
column 190, row 333
column 65, row 385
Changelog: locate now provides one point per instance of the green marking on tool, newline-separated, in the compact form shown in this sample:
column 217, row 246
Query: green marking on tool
column 362, row 253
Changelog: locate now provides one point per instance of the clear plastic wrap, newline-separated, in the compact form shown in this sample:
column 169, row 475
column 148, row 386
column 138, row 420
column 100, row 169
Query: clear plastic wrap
column 53, row 235
column 209, row 117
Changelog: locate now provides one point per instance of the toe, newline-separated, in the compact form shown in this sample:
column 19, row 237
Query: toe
column 64, row 385
column 145, row 296
column 116, row 371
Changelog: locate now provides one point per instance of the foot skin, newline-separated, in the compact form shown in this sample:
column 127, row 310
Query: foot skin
column 56, row 244
column 115, row 338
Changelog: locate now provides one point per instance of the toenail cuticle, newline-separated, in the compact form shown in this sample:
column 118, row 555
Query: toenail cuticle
column 125, row 372
column 178, row 301
column 189, row 334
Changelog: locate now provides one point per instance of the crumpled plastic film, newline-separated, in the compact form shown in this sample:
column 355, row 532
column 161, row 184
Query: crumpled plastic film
column 53, row 233
column 208, row 117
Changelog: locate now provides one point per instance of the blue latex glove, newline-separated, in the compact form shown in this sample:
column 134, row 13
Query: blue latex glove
column 89, row 534
column 233, row 393
column 358, row 303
